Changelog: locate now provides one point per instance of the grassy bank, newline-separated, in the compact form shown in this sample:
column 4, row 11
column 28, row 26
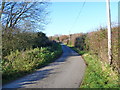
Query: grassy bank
column 20, row 63
column 98, row 74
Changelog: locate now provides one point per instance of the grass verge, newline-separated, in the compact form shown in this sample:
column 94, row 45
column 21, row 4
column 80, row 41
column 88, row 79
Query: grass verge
column 98, row 74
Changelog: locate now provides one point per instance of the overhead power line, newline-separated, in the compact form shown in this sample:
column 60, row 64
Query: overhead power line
column 79, row 13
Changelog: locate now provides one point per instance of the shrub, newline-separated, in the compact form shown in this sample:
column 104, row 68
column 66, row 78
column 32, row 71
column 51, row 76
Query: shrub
column 22, row 41
column 19, row 63
column 96, row 43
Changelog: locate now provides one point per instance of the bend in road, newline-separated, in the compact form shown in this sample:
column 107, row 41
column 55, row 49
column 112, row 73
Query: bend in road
column 65, row 72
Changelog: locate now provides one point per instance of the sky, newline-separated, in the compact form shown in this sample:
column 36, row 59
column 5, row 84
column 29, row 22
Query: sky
column 70, row 17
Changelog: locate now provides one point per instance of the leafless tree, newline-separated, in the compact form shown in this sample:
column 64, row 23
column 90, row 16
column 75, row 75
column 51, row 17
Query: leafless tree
column 19, row 14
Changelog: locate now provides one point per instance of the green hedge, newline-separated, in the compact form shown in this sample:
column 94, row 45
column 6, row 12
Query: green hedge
column 22, row 41
column 98, row 73
column 20, row 63
column 96, row 43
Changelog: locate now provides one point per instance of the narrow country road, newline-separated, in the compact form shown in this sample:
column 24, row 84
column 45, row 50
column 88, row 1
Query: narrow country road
column 65, row 72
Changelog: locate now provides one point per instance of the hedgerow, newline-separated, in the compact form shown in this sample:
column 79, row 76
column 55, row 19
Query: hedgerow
column 94, row 49
column 96, row 43
column 20, row 63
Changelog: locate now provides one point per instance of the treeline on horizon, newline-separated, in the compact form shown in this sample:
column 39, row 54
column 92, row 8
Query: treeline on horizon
column 95, row 42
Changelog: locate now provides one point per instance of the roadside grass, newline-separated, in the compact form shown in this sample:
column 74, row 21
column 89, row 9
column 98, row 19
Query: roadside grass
column 18, row 64
column 78, row 51
column 98, row 74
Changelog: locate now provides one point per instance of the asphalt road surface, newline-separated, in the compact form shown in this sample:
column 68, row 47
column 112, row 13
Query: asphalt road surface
column 65, row 72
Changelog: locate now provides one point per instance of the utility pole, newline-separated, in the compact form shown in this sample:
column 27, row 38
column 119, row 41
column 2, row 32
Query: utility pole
column 109, row 32
column 69, row 39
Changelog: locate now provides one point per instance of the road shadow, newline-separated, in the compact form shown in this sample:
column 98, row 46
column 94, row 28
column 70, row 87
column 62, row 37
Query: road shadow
column 42, row 73
column 30, row 79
